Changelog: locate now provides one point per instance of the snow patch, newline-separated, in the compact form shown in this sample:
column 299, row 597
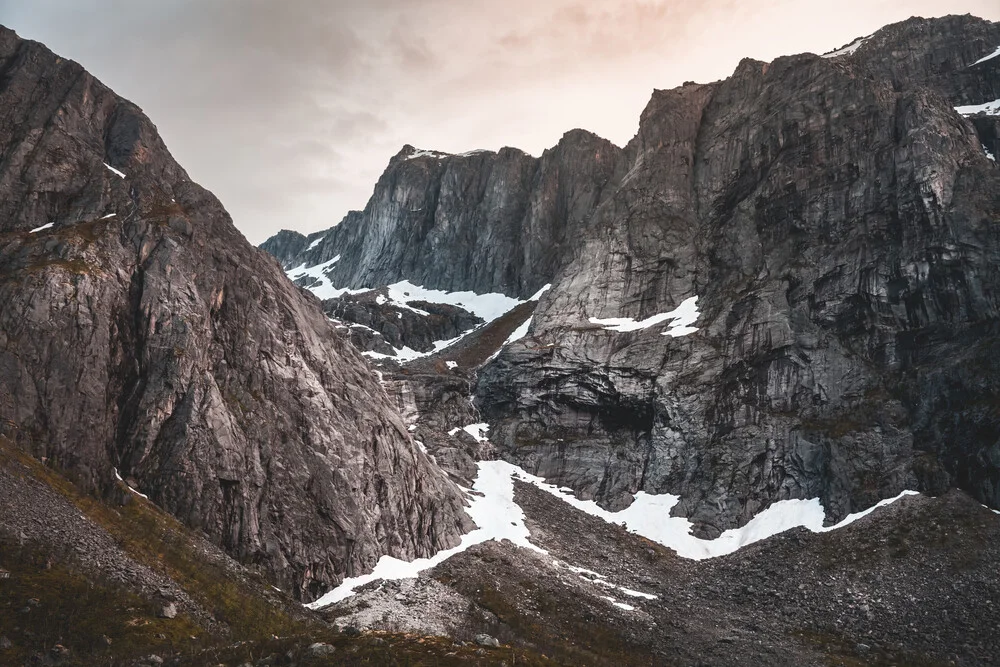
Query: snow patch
column 988, row 153
column 316, row 243
column 404, row 354
column 477, row 431
column 620, row 605
column 649, row 516
column 681, row 318
column 849, row 49
column 109, row 215
column 988, row 108
column 321, row 287
column 498, row 517
column 42, row 228
column 451, row 364
column 433, row 154
column 989, row 57
column 114, row 171
column 493, row 510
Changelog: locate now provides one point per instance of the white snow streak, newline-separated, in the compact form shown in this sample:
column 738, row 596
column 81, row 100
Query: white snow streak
column 989, row 57
column 119, row 478
column 434, row 154
column 42, row 228
column 681, row 318
column 988, row 108
column 649, row 516
column 498, row 517
column 849, row 49
column 315, row 243
column 496, row 514
column 114, row 171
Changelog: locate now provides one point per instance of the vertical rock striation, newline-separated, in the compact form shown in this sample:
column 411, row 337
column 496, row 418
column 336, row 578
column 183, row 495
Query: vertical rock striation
column 140, row 331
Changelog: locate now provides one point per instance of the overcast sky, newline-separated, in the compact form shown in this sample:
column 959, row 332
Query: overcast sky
column 289, row 110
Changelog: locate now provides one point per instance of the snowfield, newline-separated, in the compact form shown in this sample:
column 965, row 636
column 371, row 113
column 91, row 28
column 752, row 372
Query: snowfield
column 498, row 517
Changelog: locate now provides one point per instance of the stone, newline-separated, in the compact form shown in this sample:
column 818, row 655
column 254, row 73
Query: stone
column 487, row 640
column 168, row 610
column 5, row 644
column 319, row 650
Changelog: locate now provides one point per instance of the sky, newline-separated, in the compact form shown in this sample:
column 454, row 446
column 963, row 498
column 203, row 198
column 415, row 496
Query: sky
column 289, row 110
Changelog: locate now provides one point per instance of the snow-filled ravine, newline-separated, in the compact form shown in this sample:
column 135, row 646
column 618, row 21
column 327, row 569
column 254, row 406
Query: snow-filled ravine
column 498, row 517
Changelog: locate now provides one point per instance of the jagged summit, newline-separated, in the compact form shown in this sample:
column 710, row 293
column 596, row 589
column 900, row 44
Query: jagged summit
column 830, row 214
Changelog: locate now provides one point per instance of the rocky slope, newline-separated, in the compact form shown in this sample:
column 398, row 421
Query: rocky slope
column 834, row 216
column 912, row 584
column 139, row 331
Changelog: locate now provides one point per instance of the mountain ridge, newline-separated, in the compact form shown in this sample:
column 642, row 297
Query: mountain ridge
column 693, row 203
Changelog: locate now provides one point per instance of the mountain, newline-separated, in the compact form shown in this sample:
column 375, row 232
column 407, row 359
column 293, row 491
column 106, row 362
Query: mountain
column 142, row 336
column 827, row 223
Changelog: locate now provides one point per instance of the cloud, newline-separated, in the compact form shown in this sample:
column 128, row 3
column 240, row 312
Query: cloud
column 289, row 111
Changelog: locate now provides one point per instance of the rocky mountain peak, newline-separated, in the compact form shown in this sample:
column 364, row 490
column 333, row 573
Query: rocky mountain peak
column 142, row 336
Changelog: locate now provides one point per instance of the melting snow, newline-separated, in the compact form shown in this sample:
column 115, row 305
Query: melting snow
column 681, row 319
column 477, row 431
column 498, row 517
column 989, row 57
column 434, row 154
column 488, row 306
column 849, row 49
column 322, row 287
column 988, row 108
column 404, row 354
column 114, row 171
column 42, row 228
column 119, row 478
column 496, row 514
column 649, row 516
column 622, row 605
column 522, row 330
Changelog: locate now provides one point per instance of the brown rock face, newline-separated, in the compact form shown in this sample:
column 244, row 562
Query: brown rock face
column 140, row 331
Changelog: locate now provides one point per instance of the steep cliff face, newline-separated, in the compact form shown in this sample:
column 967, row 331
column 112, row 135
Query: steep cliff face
column 139, row 331
column 838, row 225
column 836, row 219
column 482, row 221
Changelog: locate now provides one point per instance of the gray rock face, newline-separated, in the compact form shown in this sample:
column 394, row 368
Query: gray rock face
column 836, row 219
column 379, row 327
column 140, row 331
column 487, row 222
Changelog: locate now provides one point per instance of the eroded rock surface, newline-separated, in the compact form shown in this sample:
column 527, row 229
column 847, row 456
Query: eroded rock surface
column 140, row 331
column 835, row 216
